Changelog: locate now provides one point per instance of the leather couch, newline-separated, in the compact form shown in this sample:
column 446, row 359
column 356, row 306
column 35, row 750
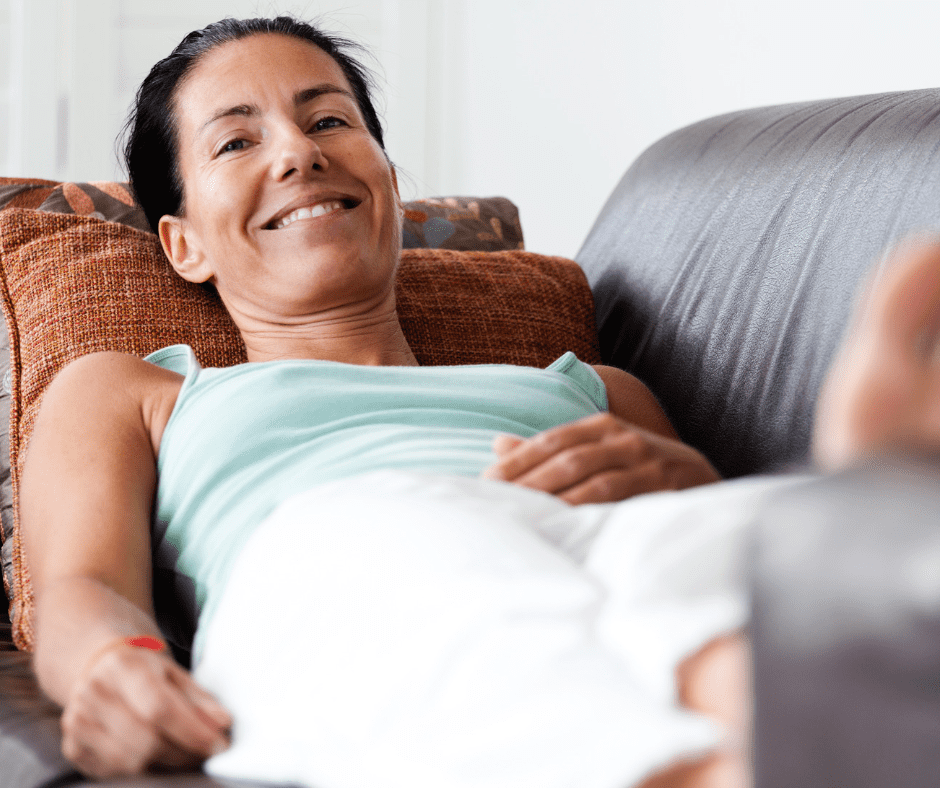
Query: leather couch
column 724, row 267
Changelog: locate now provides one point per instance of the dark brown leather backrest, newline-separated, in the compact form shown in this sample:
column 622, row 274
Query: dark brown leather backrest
column 725, row 263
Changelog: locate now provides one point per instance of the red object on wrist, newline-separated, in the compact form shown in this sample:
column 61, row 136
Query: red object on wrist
column 145, row 641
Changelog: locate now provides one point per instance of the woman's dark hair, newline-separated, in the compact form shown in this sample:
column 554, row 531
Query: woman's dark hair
column 151, row 153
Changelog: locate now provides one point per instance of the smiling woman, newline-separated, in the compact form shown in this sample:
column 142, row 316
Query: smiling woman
column 437, row 618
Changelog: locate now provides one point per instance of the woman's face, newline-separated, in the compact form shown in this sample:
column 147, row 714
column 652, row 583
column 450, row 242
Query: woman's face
column 290, row 206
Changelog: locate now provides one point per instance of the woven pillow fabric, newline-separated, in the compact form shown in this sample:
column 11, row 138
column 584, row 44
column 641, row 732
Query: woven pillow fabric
column 14, row 193
column 72, row 285
column 462, row 223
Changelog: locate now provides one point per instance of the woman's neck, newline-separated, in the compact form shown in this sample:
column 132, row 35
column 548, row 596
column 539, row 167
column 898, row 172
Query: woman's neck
column 373, row 340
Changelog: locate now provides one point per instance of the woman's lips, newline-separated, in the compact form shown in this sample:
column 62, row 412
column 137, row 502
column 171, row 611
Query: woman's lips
column 310, row 212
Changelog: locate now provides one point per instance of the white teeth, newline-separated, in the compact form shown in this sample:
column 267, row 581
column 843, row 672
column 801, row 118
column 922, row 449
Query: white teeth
column 309, row 212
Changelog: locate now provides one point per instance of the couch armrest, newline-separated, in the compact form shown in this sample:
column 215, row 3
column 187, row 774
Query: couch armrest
column 846, row 631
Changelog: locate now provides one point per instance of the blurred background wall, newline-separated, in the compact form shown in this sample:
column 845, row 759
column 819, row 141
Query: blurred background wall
column 544, row 101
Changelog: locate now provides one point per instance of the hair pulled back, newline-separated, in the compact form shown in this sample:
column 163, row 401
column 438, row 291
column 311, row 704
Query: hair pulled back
column 151, row 153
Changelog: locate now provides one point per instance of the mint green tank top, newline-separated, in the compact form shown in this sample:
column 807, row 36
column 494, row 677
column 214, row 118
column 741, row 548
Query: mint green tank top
column 242, row 439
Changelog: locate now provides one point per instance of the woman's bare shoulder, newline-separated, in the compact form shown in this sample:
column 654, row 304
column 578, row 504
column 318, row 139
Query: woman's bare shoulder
column 118, row 386
column 111, row 362
column 631, row 400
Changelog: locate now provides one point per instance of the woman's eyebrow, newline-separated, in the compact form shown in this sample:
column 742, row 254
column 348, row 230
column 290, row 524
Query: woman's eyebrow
column 300, row 97
column 309, row 94
column 243, row 110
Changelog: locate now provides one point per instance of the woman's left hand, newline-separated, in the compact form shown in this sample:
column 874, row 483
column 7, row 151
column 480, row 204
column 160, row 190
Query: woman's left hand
column 598, row 459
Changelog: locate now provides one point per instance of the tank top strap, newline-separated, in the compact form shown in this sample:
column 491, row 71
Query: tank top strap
column 180, row 359
column 583, row 376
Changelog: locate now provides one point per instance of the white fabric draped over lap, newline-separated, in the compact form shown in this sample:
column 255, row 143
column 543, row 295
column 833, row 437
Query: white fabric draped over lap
column 416, row 631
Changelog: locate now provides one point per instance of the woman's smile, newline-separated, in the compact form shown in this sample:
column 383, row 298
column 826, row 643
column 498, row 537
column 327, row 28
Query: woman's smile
column 310, row 207
column 314, row 211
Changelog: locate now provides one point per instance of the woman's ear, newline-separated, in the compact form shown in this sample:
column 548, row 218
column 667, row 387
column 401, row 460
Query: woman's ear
column 183, row 253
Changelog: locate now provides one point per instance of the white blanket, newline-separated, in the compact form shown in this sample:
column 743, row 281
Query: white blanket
column 431, row 632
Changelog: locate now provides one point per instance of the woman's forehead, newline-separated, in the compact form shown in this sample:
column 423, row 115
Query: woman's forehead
column 249, row 69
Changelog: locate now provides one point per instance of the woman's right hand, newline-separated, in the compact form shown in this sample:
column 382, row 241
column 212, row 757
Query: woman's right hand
column 134, row 709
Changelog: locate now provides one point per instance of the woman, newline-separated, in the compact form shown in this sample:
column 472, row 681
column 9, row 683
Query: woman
column 258, row 158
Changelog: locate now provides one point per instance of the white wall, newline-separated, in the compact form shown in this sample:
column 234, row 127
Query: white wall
column 560, row 96
column 4, row 79
column 544, row 101
column 74, row 66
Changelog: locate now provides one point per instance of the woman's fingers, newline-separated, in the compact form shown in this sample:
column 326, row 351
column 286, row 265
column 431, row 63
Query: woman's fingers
column 616, row 485
column 573, row 465
column 118, row 743
column 202, row 700
column 598, row 459
column 103, row 738
column 504, row 443
column 520, row 456
column 655, row 469
column 137, row 709
column 163, row 701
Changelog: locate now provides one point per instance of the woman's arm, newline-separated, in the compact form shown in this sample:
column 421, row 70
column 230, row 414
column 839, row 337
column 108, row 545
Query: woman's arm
column 629, row 450
column 85, row 505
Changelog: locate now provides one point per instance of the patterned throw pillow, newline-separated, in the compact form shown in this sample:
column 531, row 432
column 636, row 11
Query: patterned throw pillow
column 24, row 192
column 462, row 223
column 487, row 224
column 72, row 285
column 106, row 200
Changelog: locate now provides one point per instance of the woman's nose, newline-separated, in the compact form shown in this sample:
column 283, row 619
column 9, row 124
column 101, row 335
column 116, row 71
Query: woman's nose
column 297, row 152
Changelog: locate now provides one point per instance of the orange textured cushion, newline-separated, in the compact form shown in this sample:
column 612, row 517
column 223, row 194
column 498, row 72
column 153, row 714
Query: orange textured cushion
column 72, row 285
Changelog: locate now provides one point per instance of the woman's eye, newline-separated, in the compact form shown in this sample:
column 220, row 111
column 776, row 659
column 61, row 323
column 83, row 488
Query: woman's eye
column 328, row 123
column 233, row 145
